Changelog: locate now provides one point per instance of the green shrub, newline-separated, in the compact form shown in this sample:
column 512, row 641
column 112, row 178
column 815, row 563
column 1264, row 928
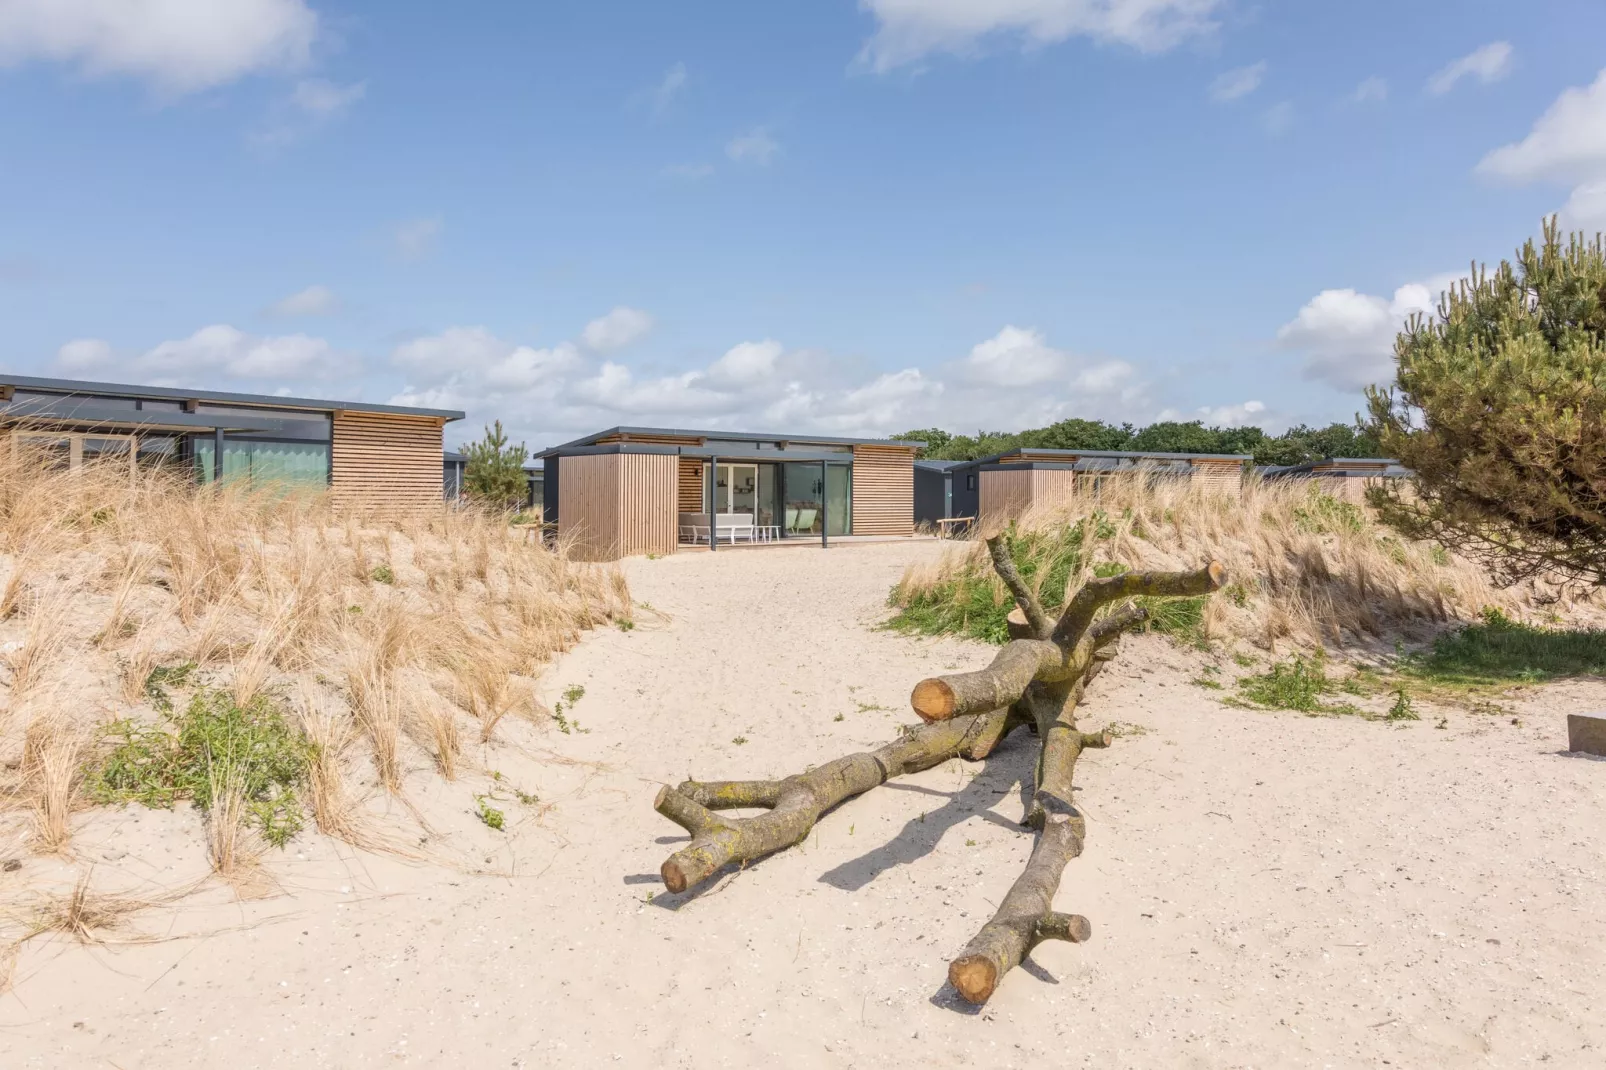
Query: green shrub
column 1323, row 514
column 213, row 740
column 1296, row 684
column 1500, row 651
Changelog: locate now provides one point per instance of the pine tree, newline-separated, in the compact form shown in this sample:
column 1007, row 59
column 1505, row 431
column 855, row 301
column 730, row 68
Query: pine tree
column 1499, row 406
column 495, row 470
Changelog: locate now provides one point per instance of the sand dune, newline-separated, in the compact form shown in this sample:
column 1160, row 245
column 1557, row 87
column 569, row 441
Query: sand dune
column 1265, row 889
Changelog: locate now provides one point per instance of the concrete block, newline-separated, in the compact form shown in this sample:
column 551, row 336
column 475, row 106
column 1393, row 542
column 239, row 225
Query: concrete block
column 1586, row 733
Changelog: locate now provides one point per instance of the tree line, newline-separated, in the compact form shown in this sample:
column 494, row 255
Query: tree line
column 1294, row 446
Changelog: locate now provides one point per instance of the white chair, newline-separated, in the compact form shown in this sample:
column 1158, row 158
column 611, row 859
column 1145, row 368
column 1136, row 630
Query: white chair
column 694, row 527
column 805, row 519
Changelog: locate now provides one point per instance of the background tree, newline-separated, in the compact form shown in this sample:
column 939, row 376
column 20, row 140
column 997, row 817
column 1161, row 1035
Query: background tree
column 495, row 473
column 1499, row 405
column 1294, row 446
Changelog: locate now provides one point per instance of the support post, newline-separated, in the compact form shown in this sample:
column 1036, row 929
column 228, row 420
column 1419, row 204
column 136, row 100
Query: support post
column 713, row 506
column 825, row 518
column 217, row 455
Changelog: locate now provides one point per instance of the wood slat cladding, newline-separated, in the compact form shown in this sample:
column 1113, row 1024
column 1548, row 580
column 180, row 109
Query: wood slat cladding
column 693, row 485
column 1222, row 477
column 617, row 504
column 883, row 490
column 385, row 461
column 1005, row 495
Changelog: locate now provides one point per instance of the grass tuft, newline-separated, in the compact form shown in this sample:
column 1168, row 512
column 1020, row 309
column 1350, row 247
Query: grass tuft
column 1498, row 651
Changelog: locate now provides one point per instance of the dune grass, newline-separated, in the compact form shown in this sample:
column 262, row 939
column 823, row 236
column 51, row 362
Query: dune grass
column 190, row 618
column 1306, row 570
column 1497, row 651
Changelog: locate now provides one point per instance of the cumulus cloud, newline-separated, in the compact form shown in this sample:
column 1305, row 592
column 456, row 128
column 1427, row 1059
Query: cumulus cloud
column 178, row 46
column 313, row 301
column 1488, row 64
column 1239, row 83
column 1567, row 145
column 1014, row 379
column 909, row 30
column 211, row 352
column 1347, row 337
column 619, row 328
column 755, row 146
column 414, row 239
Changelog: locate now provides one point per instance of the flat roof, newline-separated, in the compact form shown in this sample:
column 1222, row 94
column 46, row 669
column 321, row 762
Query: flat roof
column 732, row 436
column 1049, row 455
column 79, row 386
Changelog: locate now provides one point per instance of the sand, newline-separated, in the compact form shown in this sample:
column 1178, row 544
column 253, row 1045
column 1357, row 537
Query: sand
column 1266, row 889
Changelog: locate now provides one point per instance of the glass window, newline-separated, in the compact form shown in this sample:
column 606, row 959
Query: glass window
column 298, row 424
column 294, row 463
column 809, row 501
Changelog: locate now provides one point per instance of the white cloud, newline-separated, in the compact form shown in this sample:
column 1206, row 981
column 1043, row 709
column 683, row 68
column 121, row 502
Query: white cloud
column 1567, row 144
column 755, row 146
column 1371, row 91
column 179, row 46
column 313, row 103
column 415, row 239
column 909, row 30
column 1241, row 415
column 665, row 92
column 1347, row 337
column 1239, row 83
column 619, row 328
column 313, row 301
column 1488, row 64
column 1015, row 379
column 1279, row 118
column 218, row 350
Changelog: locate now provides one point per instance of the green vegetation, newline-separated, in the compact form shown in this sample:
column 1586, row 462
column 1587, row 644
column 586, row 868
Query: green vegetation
column 490, row 815
column 1295, row 446
column 1501, row 652
column 970, row 601
column 495, row 473
column 1296, row 684
column 571, row 694
column 1402, row 710
column 1497, row 407
column 163, row 677
column 1323, row 514
column 213, row 741
column 383, row 574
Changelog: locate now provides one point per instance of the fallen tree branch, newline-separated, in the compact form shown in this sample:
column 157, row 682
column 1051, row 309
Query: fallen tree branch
column 1035, row 680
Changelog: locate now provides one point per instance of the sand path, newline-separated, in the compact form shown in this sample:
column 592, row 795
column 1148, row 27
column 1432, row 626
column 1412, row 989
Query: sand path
column 1265, row 889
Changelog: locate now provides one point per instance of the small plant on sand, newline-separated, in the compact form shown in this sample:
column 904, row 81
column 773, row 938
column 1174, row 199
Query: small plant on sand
column 1402, row 710
column 1295, row 684
column 488, row 814
column 216, row 753
column 162, row 677
column 383, row 574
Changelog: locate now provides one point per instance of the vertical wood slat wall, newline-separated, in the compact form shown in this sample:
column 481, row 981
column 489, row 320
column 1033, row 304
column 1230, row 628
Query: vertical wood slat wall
column 883, row 490
column 693, row 484
column 618, row 504
column 385, row 461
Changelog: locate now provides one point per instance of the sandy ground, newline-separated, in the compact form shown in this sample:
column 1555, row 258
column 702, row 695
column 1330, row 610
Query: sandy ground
column 1265, row 889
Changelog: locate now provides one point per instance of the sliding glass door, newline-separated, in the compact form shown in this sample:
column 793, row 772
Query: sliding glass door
column 811, row 501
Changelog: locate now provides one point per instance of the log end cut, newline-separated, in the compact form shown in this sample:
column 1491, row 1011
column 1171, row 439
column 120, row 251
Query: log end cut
column 933, row 700
column 674, row 877
column 974, row 977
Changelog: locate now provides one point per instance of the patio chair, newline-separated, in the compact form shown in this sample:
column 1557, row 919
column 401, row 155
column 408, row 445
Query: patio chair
column 805, row 519
column 694, row 527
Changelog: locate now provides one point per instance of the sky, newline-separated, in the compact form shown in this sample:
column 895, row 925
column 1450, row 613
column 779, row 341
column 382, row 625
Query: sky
column 850, row 217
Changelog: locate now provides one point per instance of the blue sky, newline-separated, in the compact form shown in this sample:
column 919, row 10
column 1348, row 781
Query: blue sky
column 834, row 216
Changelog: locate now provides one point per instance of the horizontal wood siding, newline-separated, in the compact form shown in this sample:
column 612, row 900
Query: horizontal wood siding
column 883, row 490
column 616, row 505
column 386, row 462
column 693, row 485
column 1220, row 477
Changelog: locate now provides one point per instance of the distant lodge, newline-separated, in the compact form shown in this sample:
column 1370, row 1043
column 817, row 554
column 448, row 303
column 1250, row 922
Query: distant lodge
column 1007, row 484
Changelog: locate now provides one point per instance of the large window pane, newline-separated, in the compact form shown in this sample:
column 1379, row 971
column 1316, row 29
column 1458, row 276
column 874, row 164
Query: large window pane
column 263, row 463
column 809, row 500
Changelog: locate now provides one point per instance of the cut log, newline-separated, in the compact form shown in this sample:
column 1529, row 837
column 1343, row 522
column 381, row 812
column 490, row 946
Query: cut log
column 1037, row 679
